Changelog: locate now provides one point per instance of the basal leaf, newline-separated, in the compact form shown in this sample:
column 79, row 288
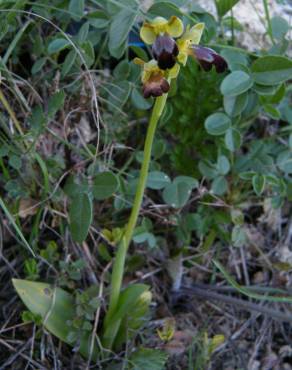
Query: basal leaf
column 56, row 307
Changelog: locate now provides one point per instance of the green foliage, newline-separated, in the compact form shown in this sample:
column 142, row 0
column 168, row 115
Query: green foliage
column 271, row 70
column 104, row 185
column 80, row 214
column 217, row 124
column 130, row 314
column 56, row 308
column 177, row 193
column 146, row 359
column 224, row 142
column 223, row 6
column 236, row 83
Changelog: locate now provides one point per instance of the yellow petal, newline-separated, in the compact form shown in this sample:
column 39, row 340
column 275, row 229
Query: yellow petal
column 147, row 33
column 175, row 27
column 182, row 58
column 183, row 47
column 159, row 22
column 195, row 33
column 174, row 71
column 139, row 61
column 149, row 69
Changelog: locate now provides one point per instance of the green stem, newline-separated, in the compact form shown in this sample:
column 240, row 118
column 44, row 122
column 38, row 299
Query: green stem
column 119, row 262
column 267, row 14
column 10, row 112
column 12, row 115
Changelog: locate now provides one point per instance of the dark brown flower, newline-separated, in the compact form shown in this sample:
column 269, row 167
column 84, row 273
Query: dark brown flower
column 165, row 51
column 208, row 57
column 156, row 85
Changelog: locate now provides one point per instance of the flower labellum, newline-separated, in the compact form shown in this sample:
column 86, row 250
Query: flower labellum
column 153, row 78
column 208, row 57
column 156, row 86
column 165, row 51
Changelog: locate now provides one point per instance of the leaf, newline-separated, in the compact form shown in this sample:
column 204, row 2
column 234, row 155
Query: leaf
column 57, row 45
column 271, row 70
column 147, row 359
column 208, row 169
column 177, row 194
column 232, row 139
column 272, row 111
column 88, row 53
column 219, row 185
column 80, row 216
column 98, row 19
column 276, row 97
column 56, row 307
column 56, row 102
column 236, row 83
column 234, row 105
column 136, row 317
column 238, row 236
column 38, row 65
column 68, row 63
column 104, row 185
column 232, row 23
column 265, row 90
column 15, row 162
column 157, row 180
column 83, row 32
column 192, row 182
column 284, row 161
column 164, row 9
column 217, row 124
column 127, row 301
column 120, row 27
column 122, row 70
column 119, row 94
column 139, row 101
column 234, row 57
column 279, row 27
column 76, row 7
column 223, row 165
column 141, row 235
column 223, row 6
column 258, row 183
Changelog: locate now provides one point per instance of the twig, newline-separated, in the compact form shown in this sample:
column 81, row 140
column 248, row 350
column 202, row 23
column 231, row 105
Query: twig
column 249, row 306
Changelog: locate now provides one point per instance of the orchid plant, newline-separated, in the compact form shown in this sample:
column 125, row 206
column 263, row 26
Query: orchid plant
column 172, row 44
column 171, row 47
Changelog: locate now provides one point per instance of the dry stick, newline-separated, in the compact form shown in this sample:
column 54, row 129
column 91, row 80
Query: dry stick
column 17, row 354
column 250, row 306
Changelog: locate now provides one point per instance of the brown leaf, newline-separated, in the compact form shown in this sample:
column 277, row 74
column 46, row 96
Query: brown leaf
column 27, row 207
